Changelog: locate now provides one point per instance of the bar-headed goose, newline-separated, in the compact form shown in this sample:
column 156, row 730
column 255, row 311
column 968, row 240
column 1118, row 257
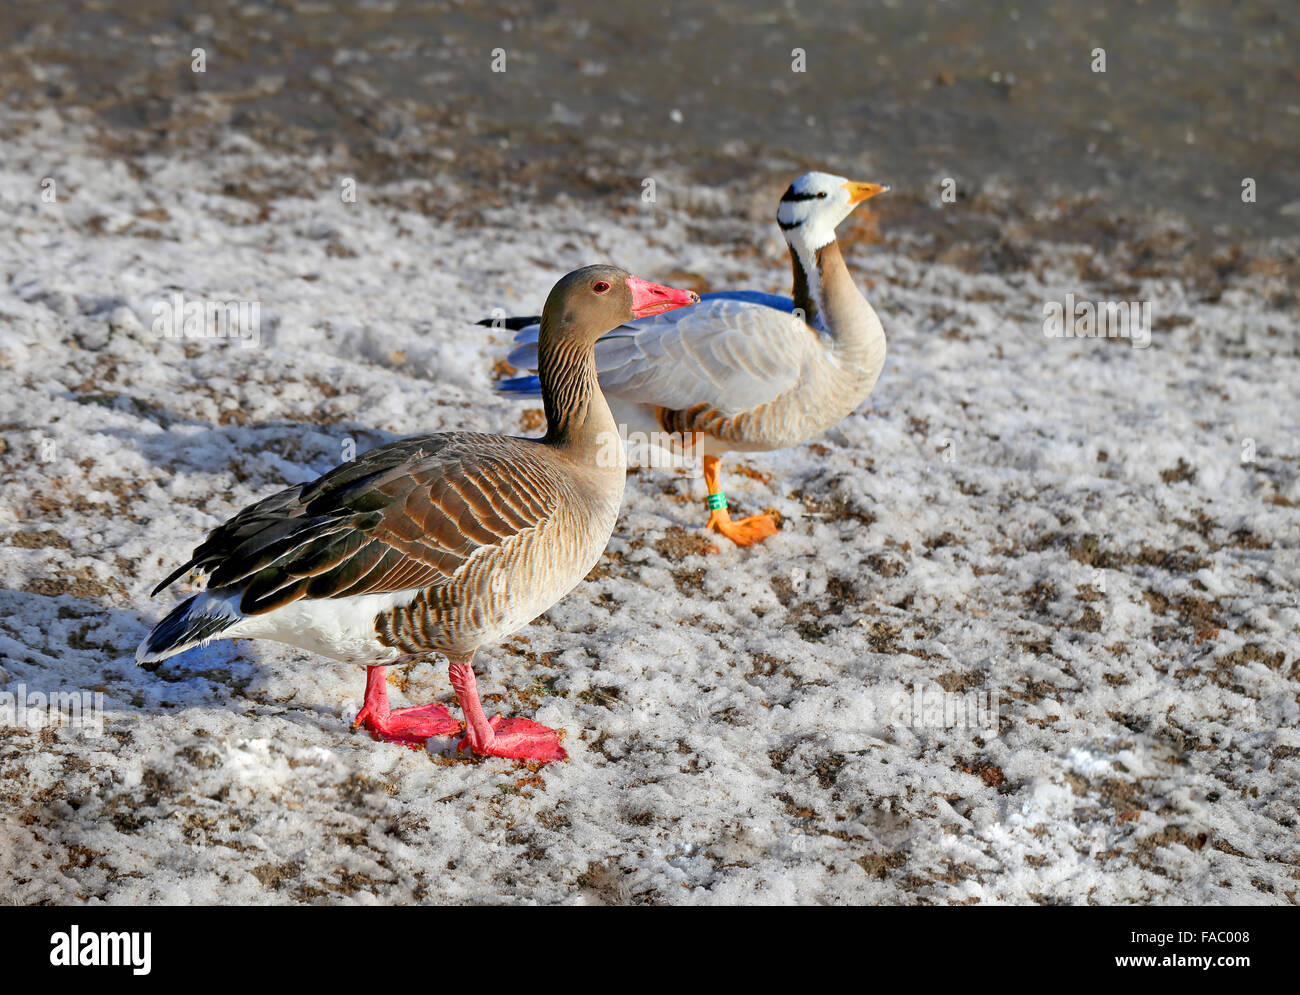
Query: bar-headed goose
column 439, row 543
column 746, row 371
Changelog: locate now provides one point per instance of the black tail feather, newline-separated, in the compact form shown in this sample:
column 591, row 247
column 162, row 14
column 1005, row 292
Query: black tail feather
column 178, row 632
column 172, row 576
column 510, row 324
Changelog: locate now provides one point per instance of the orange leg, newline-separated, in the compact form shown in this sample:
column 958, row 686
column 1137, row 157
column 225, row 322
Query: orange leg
column 744, row 532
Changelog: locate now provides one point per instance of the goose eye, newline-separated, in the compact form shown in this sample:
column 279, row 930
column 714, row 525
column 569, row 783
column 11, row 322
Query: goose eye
column 600, row 286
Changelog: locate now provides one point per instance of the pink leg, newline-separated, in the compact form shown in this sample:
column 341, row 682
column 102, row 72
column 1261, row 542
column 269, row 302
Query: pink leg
column 407, row 726
column 518, row 739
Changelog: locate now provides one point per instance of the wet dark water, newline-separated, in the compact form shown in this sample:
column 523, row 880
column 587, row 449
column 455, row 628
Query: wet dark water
column 1002, row 97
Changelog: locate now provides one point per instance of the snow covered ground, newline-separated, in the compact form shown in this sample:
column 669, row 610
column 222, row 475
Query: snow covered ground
column 1090, row 548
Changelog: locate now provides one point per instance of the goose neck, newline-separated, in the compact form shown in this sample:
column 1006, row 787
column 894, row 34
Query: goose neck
column 825, row 292
column 578, row 419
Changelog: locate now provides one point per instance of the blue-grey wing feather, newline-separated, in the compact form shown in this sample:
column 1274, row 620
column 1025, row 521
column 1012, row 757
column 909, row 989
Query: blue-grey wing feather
column 733, row 351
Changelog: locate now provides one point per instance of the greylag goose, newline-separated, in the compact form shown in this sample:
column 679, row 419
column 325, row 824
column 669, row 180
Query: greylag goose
column 438, row 543
column 745, row 371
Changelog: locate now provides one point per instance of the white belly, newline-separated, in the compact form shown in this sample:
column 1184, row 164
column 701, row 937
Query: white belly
column 339, row 628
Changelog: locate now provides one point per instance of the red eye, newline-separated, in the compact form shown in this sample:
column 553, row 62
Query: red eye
column 600, row 286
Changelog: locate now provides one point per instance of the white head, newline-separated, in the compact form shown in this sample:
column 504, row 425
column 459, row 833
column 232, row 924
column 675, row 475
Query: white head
column 816, row 203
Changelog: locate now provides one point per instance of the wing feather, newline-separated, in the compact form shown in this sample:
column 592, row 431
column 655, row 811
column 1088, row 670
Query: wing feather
column 731, row 353
column 401, row 517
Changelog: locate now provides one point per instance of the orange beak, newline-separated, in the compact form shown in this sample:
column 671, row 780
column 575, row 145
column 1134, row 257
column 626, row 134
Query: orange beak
column 858, row 192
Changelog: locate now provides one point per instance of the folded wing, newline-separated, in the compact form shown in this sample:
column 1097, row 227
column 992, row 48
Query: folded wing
column 404, row 516
column 733, row 351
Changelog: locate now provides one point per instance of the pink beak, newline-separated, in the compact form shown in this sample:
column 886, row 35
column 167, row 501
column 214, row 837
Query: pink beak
column 650, row 298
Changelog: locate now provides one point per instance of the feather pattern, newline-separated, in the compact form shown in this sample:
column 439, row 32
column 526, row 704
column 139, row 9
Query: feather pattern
column 443, row 517
column 400, row 516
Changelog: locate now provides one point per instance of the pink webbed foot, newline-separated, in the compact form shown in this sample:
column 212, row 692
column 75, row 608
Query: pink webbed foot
column 408, row 726
column 405, row 726
column 518, row 739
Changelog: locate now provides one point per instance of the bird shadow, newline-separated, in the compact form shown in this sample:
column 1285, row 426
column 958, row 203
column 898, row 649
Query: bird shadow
column 69, row 645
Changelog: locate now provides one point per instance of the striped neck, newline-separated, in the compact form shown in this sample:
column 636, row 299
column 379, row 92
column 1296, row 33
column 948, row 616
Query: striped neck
column 577, row 416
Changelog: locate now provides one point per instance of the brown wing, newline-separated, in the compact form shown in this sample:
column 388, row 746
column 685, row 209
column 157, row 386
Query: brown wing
column 406, row 515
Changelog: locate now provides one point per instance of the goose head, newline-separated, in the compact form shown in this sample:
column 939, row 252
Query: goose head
column 591, row 301
column 815, row 203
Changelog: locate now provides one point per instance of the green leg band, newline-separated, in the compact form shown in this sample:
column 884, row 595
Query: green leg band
column 716, row 502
